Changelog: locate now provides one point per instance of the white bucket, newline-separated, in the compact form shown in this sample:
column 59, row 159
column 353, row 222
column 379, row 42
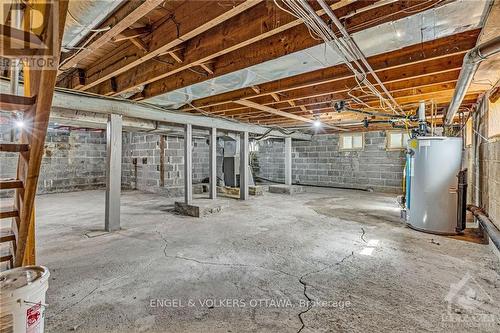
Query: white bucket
column 22, row 299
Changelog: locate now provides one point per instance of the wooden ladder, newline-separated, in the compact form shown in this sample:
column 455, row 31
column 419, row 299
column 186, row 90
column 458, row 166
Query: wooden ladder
column 18, row 240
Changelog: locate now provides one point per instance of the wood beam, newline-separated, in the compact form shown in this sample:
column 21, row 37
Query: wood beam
column 169, row 35
column 295, row 39
column 261, row 21
column 417, row 53
column 409, row 76
column 126, row 15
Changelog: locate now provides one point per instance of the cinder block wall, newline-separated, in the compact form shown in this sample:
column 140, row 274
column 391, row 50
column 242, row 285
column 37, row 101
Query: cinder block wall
column 321, row 162
column 488, row 170
column 73, row 160
column 144, row 175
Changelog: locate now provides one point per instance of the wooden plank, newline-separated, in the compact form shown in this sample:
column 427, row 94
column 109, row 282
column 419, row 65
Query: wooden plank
column 126, row 16
column 168, row 36
column 7, row 212
column 13, row 38
column 9, row 184
column 6, row 235
column 10, row 102
column 14, row 147
column 260, row 22
column 293, row 40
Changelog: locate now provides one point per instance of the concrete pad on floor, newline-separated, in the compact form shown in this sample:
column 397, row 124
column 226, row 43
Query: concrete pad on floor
column 286, row 189
column 198, row 208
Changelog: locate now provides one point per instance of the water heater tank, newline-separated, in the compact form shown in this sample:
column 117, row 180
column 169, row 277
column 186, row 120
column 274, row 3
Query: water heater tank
column 434, row 163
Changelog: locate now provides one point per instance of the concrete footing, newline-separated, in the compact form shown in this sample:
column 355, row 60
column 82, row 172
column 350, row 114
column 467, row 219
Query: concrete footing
column 286, row 189
column 255, row 190
column 235, row 191
column 197, row 209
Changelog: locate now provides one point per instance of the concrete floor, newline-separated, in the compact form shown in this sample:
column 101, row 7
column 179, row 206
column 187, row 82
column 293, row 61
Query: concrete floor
column 252, row 267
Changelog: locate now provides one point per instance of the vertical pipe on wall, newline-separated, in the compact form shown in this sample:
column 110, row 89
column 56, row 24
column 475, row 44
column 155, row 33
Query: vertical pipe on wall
column 188, row 164
column 288, row 161
column 244, row 165
column 213, row 163
column 113, row 172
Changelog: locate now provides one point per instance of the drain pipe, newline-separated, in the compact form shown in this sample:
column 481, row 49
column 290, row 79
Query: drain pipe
column 469, row 67
column 486, row 224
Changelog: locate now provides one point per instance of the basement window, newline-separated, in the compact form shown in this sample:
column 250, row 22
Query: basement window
column 468, row 133
column 352, row 141
column 397, row 140
column 494, row 119
column 253, row 146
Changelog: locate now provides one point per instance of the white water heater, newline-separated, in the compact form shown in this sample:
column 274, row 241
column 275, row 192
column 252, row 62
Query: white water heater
column 432, row 186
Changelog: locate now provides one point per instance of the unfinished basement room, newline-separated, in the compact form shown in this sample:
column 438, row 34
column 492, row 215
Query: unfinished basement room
column 249, row 166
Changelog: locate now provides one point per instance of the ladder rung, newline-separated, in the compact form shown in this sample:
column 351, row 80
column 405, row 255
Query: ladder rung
column 6, row 258
column 7, row 235
column 8, row 212
column 15, row 103
column 14, row 147
column 7, row 184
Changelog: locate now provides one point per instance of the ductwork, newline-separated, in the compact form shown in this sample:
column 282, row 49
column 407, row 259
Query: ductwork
column 470, row 65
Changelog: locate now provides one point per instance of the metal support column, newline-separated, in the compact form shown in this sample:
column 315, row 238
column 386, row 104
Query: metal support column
column 113, row 172
column 188, row 164
column 288, row 161
column 213, row 163
column 244, row 166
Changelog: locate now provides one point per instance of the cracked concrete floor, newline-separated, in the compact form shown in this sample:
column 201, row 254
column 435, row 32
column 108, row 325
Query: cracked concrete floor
column 252, row 267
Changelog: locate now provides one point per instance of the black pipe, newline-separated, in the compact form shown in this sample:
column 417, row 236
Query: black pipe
column 312, row 185
column 462, row 200
column 486, row 224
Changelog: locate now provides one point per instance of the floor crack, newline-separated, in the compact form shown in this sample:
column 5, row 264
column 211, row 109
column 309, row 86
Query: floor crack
column 363, row 235
column 213, row 263
column 304, row 284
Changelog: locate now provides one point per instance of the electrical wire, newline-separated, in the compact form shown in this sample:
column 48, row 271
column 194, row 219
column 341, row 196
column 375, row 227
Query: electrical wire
column 345, row 47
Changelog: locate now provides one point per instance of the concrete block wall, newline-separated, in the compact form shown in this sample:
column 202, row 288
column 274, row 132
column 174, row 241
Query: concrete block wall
column 144, row 175
column 73, row 160
column 321, row 162
column 488, row 169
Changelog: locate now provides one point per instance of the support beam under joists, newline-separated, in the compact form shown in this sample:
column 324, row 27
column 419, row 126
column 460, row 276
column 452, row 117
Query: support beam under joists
column 213, row 163
column 188, row 164
column 288, row 161
column 244, row 166
column 113, row 172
